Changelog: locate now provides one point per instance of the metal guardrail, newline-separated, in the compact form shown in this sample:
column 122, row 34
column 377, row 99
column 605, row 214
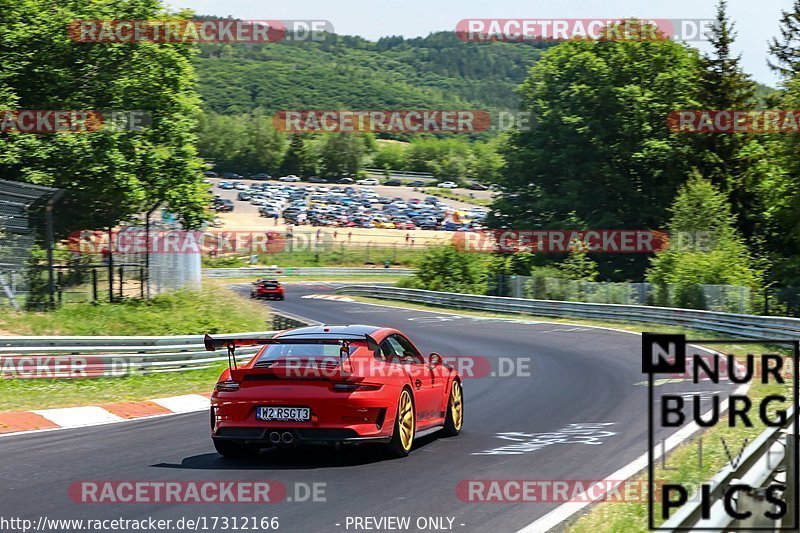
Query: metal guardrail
column 87, row 356
column 743, row 326
column 109, row 356
column 304, row 271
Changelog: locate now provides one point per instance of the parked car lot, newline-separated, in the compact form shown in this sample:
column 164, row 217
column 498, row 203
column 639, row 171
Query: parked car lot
column 348, row 206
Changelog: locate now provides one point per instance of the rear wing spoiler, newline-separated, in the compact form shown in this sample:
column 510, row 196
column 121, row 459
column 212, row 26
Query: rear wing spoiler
column 230, row 343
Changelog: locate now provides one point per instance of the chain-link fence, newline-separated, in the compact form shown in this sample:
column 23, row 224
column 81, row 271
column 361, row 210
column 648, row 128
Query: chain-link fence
column 726, row 298
column 26, row 220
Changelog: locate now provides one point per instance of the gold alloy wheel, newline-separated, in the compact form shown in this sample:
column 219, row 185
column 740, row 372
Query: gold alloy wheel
column 456, row 409
column 406, row 414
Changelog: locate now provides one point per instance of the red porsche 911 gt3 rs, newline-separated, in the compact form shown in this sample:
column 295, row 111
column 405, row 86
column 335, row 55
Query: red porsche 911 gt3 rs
column 332, row 384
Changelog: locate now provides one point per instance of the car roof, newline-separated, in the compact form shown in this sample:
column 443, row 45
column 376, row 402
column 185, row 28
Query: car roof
column 332, row 331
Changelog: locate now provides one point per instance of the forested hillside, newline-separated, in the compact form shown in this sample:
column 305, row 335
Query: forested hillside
column 437, row 71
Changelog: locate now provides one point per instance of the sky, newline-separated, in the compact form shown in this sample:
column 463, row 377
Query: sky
column 756, row 21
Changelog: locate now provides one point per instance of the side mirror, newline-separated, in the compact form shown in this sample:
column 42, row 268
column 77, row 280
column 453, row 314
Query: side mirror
column 435, row 359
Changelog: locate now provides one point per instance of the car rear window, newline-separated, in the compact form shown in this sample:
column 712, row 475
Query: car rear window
column 327, row 352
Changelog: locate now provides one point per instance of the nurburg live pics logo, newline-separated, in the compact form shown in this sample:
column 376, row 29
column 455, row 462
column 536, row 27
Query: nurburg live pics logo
column 673, row 354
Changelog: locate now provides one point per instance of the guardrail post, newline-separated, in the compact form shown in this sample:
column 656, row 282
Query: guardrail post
column 94, row 284
column 791, row 482
column 60, row 286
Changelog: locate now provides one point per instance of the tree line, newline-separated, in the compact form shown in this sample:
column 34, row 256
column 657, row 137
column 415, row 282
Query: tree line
column 249, row 143
column 601, row 156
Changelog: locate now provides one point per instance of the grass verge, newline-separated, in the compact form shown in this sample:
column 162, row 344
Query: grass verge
column 343, row 256
column 210, row 310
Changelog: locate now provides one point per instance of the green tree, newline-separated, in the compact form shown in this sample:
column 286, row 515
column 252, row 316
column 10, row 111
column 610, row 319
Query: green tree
column 579, row 266
column 342, row 154
column 779, row 167
column 222, row 140
column 266, row 145
column 111, row 174
column 706, row 248
column 390, row 156
column 486, row 162
column 445, row 268
column 725, row 158
column 786, row 51
column 298, row 160
column 599, row 150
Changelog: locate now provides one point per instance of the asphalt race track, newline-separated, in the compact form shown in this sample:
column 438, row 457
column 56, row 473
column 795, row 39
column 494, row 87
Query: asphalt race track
column 583, row 382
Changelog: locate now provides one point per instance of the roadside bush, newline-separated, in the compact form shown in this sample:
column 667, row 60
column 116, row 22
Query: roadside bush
column 445, row 268
column 679, row 273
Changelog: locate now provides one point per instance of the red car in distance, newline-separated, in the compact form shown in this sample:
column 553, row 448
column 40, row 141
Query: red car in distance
column 268, row 289
column 332, row 385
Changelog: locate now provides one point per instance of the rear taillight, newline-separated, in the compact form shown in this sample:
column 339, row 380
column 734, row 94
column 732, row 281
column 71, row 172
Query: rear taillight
column 227, row 386
column 353, row 387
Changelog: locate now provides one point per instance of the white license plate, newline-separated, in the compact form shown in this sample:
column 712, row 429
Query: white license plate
column 285, row 414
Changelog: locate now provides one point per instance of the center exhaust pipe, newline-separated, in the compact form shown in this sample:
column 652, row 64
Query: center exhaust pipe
column 287, row 438
column 274, row 437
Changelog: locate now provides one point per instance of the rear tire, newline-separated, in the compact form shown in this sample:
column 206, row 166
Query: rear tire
column 405, row 423
column 455, row 411
column 236, row 450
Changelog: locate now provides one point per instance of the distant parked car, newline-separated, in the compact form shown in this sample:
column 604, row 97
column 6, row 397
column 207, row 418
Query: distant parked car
column 240, row 186
column 316, row 179
column 231, row 175
column 447, row 185
column 415, row 183
column 393, row 183
column 269, row 212
column 261, row 176
column 478, row 187
column 289, row 178
column 243, row 196
column 225, row 185
column 210, row 174
column 224, row 205
column 346, row 181
column 369, row 181
column 426, row 222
